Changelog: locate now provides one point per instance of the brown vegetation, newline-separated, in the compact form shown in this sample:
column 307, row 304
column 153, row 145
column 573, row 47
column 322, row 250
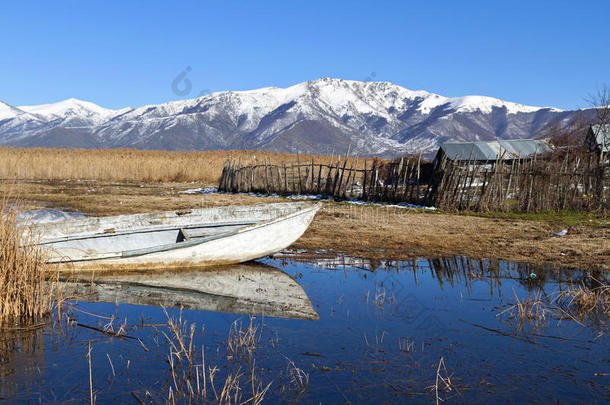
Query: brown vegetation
column 193, row 381
column 127, row 164
column 586, row 303
column 25, row 296
column 531, row 311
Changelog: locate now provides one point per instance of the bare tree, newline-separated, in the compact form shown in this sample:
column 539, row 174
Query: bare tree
column 571, row 135
column 601, row 103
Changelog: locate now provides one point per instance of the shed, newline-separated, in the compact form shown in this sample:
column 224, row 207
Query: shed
column 598, row 139
column 482, row 152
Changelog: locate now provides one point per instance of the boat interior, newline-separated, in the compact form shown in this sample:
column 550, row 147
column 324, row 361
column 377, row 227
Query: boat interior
column 102, row 237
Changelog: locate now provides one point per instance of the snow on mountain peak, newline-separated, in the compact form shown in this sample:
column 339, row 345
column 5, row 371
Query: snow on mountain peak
column 376, row 117
column 71, row 106
column 486, row 105
column 8, row 111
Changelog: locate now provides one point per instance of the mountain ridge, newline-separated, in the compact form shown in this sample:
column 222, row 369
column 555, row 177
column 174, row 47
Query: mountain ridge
column 317, row 116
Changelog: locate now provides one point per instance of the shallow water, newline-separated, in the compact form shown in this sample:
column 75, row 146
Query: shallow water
column 382, row 329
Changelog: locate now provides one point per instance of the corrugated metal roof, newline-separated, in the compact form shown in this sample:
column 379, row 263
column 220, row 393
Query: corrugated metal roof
column 602, row 136
column 512, row 149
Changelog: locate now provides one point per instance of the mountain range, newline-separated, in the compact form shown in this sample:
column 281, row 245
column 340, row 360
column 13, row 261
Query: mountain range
column 318, row 116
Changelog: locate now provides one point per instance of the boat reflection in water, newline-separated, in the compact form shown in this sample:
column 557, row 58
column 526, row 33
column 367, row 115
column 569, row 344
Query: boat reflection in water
column 246, row 288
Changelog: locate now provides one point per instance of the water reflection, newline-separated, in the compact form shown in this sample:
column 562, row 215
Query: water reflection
column 249, row 288
column 461, row 270
column 21, row 354
column 383, row 326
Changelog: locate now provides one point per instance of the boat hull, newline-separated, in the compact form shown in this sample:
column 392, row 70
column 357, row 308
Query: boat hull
column 276, row 231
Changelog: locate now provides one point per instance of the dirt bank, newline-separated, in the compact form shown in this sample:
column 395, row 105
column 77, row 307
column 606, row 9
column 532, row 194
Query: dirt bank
column 366, row 231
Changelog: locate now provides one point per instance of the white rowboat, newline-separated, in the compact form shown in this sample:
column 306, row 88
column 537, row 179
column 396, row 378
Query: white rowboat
column 176, row 239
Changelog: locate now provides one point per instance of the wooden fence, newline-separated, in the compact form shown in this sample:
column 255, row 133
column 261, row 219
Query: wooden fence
column 570, row 182
column 576, row 182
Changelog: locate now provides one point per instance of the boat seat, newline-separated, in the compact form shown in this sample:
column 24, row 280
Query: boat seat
column 183, row 235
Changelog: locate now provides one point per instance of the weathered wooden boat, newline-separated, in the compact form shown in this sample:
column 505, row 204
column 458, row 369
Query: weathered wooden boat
column 175, row 239
column 246, row 288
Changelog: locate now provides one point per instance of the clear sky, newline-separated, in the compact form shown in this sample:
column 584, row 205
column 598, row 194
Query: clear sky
column 128, row 53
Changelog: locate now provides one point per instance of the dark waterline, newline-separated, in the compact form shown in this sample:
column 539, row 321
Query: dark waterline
column 382, row 328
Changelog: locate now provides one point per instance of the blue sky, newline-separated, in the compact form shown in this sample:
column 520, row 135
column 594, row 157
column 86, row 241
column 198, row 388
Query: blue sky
column 119, row 54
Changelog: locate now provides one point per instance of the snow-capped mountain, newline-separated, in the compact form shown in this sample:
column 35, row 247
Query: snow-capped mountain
column 315, row 116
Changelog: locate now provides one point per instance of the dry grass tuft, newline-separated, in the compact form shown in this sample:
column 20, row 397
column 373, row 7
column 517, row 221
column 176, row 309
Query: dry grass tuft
column 25, row 296
column 298, row 379
column 585, row 303
column 242, row 340
column 531, row 311
column 443, row 384
column 579, row 303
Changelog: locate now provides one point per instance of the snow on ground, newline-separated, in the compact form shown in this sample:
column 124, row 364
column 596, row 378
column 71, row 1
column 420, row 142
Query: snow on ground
column 46, row 215
column 205, row 190
column 306, row 197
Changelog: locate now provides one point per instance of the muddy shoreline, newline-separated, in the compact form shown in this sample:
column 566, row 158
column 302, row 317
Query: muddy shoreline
column 363, row 231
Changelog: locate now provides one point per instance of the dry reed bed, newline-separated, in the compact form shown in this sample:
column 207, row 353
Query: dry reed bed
column 25, row 294
column 128, row 164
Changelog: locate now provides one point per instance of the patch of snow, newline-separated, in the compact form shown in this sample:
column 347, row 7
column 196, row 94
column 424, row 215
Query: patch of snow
column 46, row 215
column 389, row 205
column 476, row 103
column 203, row 190
column 431, row 102
column 304, row 197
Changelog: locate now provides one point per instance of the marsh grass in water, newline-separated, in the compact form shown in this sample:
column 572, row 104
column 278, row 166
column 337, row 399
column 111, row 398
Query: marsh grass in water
column 531, row 311
column 580, row 303
column 191, row 380
column 586, row 303
column 26, row 295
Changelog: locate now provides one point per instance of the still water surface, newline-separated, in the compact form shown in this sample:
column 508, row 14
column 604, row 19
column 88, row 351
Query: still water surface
column 364, row 332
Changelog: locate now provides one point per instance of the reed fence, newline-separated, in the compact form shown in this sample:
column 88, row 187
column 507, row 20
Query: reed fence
column 568, row 182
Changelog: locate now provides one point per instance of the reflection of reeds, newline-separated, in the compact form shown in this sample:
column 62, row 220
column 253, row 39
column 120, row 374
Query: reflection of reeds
column 379, row 297
column 24, row 295
column 406, row 345
column 21, row 355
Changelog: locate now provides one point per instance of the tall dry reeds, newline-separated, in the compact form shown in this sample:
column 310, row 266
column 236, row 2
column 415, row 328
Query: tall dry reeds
column 25, row 294
column 128, row 164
